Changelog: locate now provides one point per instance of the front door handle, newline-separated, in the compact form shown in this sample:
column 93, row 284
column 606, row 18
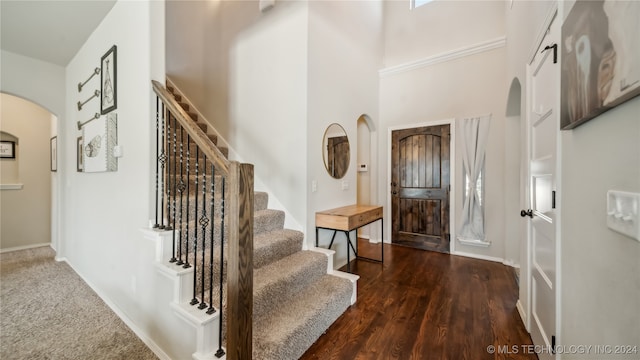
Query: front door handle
column 528, row 213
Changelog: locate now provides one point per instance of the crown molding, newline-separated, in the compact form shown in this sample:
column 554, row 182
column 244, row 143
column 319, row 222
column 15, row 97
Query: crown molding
column 446, row 56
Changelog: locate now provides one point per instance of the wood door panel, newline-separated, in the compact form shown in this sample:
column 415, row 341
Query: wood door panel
column 420, row 187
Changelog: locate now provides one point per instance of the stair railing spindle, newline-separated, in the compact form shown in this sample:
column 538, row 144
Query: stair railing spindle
column 220, row 351
column 194, row 300
column 174, row 178
column 156, row 225
column 186, row 244
column 162, row 159
column 166, row 144
column 181, row 188
column 204, row 221
column 211, row 309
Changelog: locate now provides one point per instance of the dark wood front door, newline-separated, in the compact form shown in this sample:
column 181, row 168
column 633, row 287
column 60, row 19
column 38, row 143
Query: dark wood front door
column 420, row 187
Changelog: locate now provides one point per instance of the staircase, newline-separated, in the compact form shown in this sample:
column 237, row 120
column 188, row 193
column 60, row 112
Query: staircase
column 296, row 293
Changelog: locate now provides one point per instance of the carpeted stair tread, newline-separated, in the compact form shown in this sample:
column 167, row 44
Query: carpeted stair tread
column 272, row 246
column 281, row 281
column 289, row 331
column 260, row 200
column 267, row 220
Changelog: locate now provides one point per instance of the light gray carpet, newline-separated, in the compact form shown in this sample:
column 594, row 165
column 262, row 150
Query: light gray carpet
column 48, row 312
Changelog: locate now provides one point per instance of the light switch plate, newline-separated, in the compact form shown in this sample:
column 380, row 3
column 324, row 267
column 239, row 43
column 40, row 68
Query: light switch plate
column 623, row 213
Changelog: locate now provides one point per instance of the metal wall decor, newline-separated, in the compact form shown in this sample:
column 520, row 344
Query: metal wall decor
column 83, row 123
column 108, row 81
column 95, row 72
column 95, row 95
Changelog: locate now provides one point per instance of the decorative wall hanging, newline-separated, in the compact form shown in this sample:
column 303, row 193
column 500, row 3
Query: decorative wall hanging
column 95, row 95
column 99, row 138
column 600, row 59
column 95, row 72
column 7, row 150
column 83, row 123
column 108, row 81
column 79, row 156
column 54, row 153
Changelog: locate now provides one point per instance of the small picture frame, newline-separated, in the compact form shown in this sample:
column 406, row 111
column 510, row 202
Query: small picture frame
column 7, row 149
column 80, row 163
column 108, row 81
column 54, row 154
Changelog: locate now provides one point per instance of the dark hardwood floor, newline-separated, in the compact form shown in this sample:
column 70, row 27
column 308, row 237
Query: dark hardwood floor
column 427, row 305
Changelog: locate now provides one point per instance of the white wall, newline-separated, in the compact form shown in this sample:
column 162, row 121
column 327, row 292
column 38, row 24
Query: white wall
column 268, row 102
column 438, row 27
column 104, row 212
column 599, row 283
column 344, row 57
column 272, row 82
column 26, row 212
column 457, row 88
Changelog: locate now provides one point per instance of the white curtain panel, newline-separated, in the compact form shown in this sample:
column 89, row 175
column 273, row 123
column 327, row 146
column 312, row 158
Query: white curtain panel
column 475, row 132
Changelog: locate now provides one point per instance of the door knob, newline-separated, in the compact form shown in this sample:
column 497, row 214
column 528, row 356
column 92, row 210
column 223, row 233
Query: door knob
column 394, row 192
column 528, row 213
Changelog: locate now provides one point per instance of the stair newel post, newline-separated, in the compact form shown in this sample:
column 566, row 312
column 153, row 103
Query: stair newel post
column 240, row 262
column 194, row 300
column 174, row 178
column 181, row 188
column 211, row 309
column 220, row 351
column 187, row 208
column 156, row 225
column 204, row 221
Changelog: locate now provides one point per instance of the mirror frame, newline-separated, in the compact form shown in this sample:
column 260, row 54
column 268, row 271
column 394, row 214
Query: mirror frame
column 325, row 154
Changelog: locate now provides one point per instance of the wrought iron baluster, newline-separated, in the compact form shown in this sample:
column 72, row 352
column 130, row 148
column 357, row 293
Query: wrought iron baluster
column 181, row 188
column 174, row 177
column 220, row 351
column 162, row 158
column 186, row 244
column 204, row 221
column 194, row 300
column 211, row 309
column 156, row 225
column 166, row 144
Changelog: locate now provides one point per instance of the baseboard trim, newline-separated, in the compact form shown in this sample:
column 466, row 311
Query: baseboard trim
column 445, row 56
column 523, row 316
column 478, row 256
column 145, row 339
column 25, row 247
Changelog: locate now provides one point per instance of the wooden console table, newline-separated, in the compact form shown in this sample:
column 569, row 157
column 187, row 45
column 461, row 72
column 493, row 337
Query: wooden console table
column 348, row 219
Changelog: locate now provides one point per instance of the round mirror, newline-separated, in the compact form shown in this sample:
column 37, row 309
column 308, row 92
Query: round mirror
column 335, row 151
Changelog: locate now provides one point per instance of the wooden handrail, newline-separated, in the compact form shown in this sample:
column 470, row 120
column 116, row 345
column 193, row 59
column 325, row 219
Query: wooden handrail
column 198, row 136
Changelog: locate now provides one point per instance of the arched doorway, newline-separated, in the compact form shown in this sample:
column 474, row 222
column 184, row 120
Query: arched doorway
column 27, row 180
column 366, row 170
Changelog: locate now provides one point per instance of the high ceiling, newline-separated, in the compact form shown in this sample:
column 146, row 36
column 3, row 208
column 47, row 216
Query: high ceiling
column 49, row 30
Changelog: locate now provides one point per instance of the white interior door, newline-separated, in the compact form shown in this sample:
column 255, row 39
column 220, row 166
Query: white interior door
column 543, row 126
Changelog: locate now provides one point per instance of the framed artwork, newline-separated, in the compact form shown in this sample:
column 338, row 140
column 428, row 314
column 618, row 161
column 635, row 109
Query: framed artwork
column 600, row 44
column 108, row 81
column 54, row 153
column 99, row 138
column 80, row 164
column 7, row 149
